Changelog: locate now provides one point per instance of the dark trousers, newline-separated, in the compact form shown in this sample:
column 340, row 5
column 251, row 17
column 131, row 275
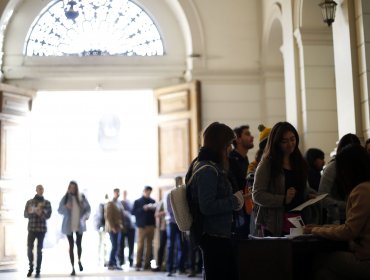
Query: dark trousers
column 32, row 235
column 71, row 247
column 129, row 237
column 115, row 239
column 196, row 261
column 218, row 258
column 177, row 242
column 162, row 247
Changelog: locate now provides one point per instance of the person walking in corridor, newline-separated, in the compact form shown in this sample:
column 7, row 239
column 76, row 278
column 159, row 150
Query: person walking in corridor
column 75, row 210
column 37, row 210
column 114, row 226
column 144, row 209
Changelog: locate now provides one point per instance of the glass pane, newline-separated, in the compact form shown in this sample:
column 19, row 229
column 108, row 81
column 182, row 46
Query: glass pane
column 102, row 27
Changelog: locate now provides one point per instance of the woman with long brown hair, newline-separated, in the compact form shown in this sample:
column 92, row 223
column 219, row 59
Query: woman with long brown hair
column 75, row 210
column 280, row 182
column 212, row 202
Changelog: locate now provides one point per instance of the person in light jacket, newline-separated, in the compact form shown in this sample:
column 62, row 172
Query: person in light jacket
column 353, row 173
column 75, row 210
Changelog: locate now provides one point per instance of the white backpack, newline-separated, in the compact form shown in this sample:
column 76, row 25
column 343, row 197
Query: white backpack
column 179, row 202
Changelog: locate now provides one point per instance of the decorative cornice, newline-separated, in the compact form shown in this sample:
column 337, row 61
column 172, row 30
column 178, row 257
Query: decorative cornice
column 317, row 36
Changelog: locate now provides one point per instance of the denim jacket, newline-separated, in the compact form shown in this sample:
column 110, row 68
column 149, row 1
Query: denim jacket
column 67, row 214
column 214, row 193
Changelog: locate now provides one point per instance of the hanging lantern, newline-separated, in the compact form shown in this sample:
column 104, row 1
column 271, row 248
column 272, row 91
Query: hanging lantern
column 328, row 8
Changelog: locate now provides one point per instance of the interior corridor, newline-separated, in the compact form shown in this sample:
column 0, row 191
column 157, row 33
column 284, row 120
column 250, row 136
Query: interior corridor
column 124, row 275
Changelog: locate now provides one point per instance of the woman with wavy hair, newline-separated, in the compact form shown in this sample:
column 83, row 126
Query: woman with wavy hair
column 280, row 182
column 75, row 210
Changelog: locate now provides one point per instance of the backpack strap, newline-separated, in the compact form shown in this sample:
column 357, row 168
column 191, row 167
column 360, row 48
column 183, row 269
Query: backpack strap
column 196, row 165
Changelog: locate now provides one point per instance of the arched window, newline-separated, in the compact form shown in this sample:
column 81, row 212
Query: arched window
column 95, row 28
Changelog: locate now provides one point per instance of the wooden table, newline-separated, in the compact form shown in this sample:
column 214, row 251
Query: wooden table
column 280, row 259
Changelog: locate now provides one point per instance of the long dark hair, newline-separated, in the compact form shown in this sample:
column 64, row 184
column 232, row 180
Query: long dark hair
column 78, row 198
column 352, row 166
column 216, row 138
column 347, row 139
column 274, row 154
column 311, row 155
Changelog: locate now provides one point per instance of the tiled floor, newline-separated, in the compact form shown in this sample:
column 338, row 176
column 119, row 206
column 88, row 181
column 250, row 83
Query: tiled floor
column 106, row 275
column 56, row 264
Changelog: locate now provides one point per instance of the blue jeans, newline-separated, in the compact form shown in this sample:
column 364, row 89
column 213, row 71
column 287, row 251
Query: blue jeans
column 115, row 239
column 175, row 240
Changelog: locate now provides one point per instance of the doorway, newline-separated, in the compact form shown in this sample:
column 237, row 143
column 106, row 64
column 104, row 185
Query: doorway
column 101, row 139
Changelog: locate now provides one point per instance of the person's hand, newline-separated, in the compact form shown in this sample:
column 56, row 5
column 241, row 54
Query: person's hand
column 290, row 194
column 307, row 229
column 312, row 195
column 30, row 209
column 240, row 200
column 68, row 205
column 38, row 211
column 248, row 193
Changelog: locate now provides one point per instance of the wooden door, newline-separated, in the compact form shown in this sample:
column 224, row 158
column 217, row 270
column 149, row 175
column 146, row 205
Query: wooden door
column 179, row 127
column 15, row 105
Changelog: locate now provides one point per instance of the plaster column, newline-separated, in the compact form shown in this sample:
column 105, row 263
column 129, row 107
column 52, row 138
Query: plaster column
column 317, row 80
column 346, row 69
column 362, row 12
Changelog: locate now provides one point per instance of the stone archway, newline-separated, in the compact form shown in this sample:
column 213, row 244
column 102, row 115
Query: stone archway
column 273, row 69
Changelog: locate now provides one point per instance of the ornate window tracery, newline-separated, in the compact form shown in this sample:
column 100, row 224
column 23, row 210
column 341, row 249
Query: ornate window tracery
column 101, row 28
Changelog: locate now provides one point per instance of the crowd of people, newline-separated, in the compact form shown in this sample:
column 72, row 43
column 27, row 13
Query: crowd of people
column 282, row 178
column 231, row 198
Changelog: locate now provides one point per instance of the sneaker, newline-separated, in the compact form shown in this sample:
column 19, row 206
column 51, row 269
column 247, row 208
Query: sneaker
column 157, row 269
column 29, row 273
column 118, row 268
column 110, row 267
column 37, row 275
column 137, row 268
column 73, row 273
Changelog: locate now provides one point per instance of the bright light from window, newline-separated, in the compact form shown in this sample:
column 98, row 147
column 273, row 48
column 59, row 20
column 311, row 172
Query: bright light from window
column 109, row 27
column 66, row 143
